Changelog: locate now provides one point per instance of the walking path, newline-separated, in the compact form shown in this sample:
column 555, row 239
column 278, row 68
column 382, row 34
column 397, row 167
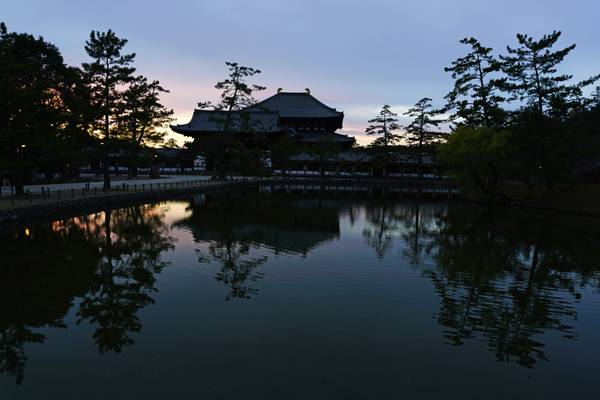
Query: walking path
column 116, row 182
column 56, row 200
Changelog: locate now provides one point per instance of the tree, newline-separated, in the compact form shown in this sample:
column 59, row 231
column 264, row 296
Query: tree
column 106, row 73
column 171, row 143
column 419, row 130
column 533, row 78
column 236, row 92
column 42, row 106
column 477, row 155
column 384, row 125
column 140, row 115
column 224, row 148
column 474, row 96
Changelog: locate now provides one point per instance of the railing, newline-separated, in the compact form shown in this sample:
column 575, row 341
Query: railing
column 57, row 193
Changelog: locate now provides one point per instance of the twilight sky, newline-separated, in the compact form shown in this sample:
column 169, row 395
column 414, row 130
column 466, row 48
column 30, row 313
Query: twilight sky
column 353, row 55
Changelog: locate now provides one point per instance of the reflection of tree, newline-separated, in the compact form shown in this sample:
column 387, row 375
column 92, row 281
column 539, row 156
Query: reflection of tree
column 134, row 239
column 380, row 232
column 12, row 352
column 41, row 272
column 387, row 221
column 503, row 282
column 500, row 278
column 110, row 263
column 237, row 267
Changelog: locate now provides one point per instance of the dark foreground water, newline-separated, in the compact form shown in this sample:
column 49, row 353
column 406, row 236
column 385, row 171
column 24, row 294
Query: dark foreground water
column 307, row 294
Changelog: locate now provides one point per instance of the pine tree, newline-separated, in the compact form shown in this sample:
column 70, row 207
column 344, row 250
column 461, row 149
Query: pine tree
column 384, row 125
column 475, row 97
column 420, row 130
column 225, row 150
column 105, row 74
column 533, row 78
column 236, row 92
column 140, row 115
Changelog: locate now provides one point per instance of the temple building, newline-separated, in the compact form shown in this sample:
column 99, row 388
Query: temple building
column 297, row 114
column 314, row 126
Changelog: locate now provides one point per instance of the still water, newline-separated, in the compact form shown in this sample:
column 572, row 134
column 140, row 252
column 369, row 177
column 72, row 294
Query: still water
column 284, row 293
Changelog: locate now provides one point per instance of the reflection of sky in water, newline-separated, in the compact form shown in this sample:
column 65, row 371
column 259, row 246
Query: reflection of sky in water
column 250, row 298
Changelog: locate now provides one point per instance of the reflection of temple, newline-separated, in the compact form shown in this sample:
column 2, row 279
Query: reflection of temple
column 284, row 224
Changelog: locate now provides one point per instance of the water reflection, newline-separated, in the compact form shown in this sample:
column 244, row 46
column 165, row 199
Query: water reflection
column 108, row 261
column 124, row 278
column 233, row 224
column 502, row 278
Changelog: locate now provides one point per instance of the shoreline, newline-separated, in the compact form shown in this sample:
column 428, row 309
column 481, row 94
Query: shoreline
column 66, row 207
column 81, row 201
column 72, row 206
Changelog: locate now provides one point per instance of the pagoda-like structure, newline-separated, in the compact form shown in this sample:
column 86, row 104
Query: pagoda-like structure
column 297, row 114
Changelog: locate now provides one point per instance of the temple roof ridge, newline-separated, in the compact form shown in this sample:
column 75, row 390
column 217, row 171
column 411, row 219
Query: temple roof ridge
column 296, row 105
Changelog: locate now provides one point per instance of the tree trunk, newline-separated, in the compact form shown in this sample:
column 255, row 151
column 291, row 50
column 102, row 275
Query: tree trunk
column 106, row 171
column 132, row 167
column 18, row 182
column 106, row 132
column 420, row 172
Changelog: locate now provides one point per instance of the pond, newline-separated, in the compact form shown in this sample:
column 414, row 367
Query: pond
column 301, row 292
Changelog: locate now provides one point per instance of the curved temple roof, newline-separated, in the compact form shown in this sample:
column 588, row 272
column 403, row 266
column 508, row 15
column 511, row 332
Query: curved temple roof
column 266, row 117
column 214, row 121
column 296, row 105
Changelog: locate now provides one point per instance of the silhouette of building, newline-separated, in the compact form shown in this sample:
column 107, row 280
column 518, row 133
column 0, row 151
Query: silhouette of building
column 296, row 114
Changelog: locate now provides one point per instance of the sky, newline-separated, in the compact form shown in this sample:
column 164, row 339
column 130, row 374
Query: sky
column 353, row 55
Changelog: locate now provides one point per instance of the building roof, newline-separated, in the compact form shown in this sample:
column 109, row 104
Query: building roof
column 296, row 105
column 211, row 121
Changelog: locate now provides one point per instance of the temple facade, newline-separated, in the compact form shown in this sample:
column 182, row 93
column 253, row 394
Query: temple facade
column 298, row 115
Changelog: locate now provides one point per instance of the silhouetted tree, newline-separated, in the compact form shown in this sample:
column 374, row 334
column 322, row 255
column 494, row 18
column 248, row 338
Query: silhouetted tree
column 225, row 148
column 477, row 156
column 106, row 73
column 140, row 117
column 420, row 130
column 171, row 143
column 42, row 107
column 384, row 125
column 474, row 97
column 532, row 71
